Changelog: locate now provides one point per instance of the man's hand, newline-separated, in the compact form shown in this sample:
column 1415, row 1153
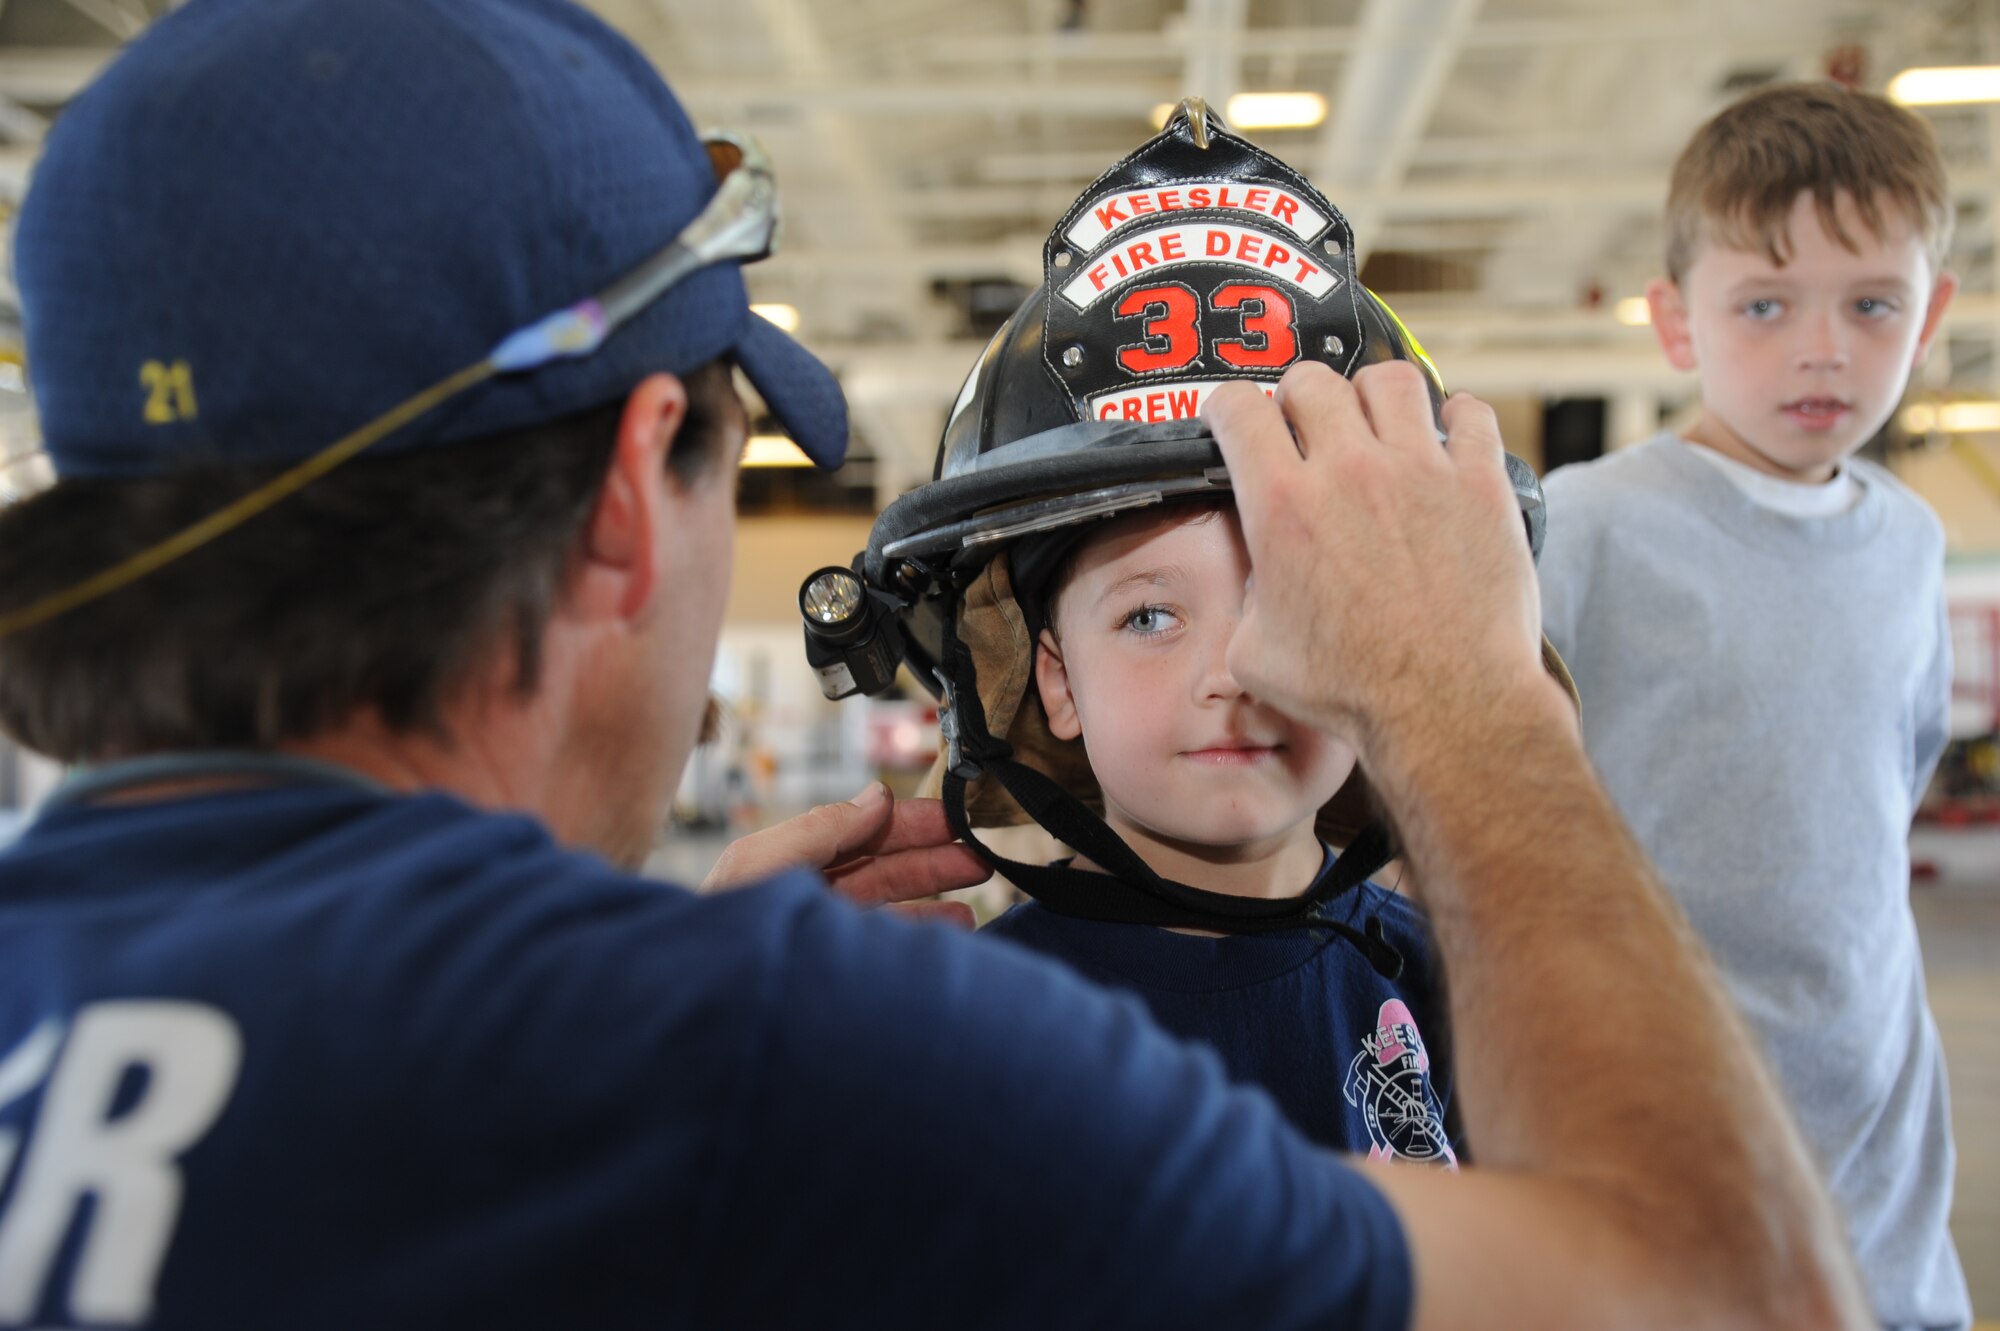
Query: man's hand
column 1394, row 602
column 1388, row 574
column 876, row 850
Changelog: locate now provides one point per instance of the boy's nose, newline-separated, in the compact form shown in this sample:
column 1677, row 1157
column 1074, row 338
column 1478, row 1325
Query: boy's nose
column 1823, row 345
column 1216, row 683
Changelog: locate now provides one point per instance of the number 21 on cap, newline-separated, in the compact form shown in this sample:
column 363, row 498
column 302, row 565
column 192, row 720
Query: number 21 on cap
column 169, row 392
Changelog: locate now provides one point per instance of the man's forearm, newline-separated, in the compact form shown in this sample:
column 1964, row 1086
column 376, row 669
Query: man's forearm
column 1636, row 1166
column 1563, row 953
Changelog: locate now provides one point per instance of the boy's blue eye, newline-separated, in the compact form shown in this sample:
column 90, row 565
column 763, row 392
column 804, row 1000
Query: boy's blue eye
column 1150, row 619
column 1763, row 308
column 1873, row 308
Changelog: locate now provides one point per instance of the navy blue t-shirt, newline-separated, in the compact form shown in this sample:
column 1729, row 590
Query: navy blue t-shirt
column 1358, row 1061
column 312, row 1057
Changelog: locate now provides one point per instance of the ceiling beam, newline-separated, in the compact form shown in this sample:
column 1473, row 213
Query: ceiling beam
column 16, row 161
column 794, row 30
column 1469, row 197
column 1435, row 150
column 794, row 33
column 1156, row 48
column 20, row 125
column 1388, row 93
column 1133, row 99
column 115, row 18
column 1211, row 33
column 49, row 75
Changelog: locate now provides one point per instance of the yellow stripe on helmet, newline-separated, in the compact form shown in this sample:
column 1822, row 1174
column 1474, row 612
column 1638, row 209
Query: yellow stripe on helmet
column 1423, row 357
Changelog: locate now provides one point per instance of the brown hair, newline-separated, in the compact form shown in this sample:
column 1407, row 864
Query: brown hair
column 1740, row 176
column 388, row 583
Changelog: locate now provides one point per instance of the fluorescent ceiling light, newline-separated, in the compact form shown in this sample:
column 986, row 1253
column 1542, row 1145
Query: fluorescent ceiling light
column 1949, row 85
column 1953, row 418
column 1969, row 417
column 785, row 316
column 773, row 450
column 1262, row 110
column 1634, row 312
column 1275, row 110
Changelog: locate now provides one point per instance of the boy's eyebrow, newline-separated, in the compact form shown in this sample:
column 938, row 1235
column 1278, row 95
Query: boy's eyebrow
column 1880, row 281
column 1145, row 577
column 1779, row 281
column 1759, row 282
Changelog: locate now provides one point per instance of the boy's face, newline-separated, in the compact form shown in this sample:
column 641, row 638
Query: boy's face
column 1136, row 667
column 1801, row 365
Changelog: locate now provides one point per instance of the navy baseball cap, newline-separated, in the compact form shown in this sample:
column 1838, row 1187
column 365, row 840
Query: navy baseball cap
column 271, row 221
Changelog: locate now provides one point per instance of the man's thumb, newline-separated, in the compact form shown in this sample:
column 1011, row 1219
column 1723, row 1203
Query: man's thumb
column 871, row 799
column 860, row 819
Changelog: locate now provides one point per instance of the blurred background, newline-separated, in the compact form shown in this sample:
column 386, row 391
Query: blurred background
column 1504, row 163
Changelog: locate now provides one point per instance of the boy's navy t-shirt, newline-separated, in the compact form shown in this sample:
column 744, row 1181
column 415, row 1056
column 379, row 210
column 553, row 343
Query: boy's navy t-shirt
column 310, row 1056
column 1356, row 1060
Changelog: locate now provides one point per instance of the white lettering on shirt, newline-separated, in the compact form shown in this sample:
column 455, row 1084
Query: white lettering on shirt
column 190, row 1054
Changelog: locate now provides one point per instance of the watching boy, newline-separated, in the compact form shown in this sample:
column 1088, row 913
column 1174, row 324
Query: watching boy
column 1756, row 625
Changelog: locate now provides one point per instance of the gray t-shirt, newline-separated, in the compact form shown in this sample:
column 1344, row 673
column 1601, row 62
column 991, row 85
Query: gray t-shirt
column 1765, row 697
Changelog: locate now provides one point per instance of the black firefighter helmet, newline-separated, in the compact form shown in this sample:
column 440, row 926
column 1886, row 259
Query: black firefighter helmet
column 1196, row 260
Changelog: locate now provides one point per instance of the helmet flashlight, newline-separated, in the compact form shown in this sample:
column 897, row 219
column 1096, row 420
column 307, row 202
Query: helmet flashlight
column 852, row 642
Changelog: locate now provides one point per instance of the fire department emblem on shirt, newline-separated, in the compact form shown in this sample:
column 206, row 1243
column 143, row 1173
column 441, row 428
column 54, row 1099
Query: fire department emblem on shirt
column 1389, row 1081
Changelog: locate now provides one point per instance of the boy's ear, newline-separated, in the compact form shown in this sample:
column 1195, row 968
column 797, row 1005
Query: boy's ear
column 1052, row 678
column 1941, row 294
column 1670, row 322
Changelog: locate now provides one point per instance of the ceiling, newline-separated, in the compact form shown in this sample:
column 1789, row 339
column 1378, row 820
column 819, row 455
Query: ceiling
column 1504, row 160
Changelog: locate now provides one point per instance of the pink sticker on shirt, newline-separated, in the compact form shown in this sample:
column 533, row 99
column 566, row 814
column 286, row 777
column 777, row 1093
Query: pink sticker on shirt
column 1389, row 1082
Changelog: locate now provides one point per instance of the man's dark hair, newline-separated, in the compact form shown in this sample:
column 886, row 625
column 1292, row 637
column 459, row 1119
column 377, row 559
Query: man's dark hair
column 386, row 584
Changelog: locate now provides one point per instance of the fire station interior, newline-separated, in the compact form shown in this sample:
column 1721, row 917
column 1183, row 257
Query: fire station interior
column 1503, row 163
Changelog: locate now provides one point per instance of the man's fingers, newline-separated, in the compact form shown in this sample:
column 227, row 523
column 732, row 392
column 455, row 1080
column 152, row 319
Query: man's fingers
column 813, row 840
column 912, row 823
column 1472, row 432
column 954, row 913
column 1256, row 445
column 1397, row 398
column 1321, row 408
column 909, row 875
column 833, row 832
column 873, row 849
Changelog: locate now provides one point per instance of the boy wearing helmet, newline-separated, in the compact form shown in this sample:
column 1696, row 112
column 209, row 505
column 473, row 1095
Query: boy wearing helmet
column 1070, row 584
column 1208, row 785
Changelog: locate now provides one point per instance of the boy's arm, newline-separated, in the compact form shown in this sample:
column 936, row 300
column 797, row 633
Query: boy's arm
column 1637, row 1165
column 1932, row 730
column 1565, row 568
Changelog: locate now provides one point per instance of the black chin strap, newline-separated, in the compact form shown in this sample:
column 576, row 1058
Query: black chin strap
column 1129, row 891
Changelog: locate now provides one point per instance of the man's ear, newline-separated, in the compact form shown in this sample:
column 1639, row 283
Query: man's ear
column 1941, row 294
column 1670, row 322
column 1052, row 678
column 620, row 570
